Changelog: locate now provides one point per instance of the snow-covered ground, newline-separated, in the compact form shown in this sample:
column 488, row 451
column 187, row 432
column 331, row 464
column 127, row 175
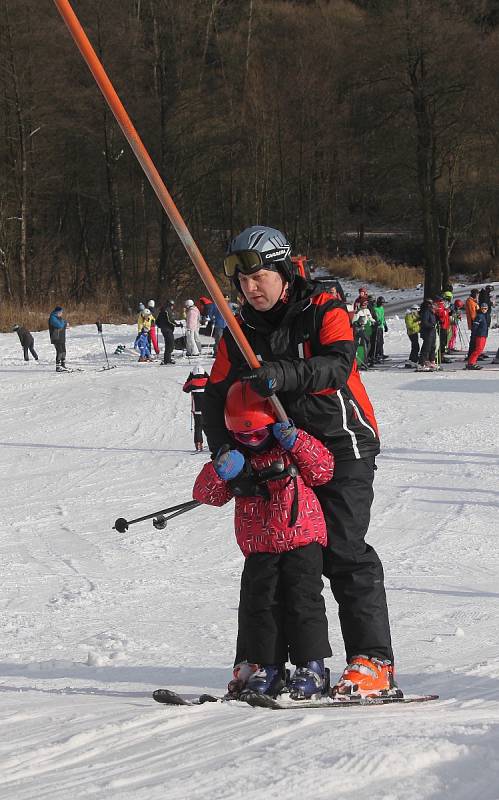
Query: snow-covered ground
column 91, row 620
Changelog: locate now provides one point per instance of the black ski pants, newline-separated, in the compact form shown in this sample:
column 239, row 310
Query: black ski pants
column 169, row 345
column 352, row 566
column 60, row 351
column 281, row 608
column 414, row 355
column 31, row 349
column 427, row 352
column 198, row 428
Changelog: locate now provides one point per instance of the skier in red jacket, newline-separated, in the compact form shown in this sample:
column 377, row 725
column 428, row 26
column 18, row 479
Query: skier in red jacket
column 304, row 337
column 280, row 529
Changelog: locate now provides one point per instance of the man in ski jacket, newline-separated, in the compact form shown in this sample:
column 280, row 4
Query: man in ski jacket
column 27, row 341
column 57, row 332
column 304, row 338
column 428, row 322
column 442, row 313
column 166, row 323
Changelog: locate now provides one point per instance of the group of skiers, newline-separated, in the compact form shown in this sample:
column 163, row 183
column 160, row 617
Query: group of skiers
column 437, row 320
column 195, row 314
column 369, row 325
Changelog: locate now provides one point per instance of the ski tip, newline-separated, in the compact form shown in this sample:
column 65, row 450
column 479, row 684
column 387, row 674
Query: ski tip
column 167, row 697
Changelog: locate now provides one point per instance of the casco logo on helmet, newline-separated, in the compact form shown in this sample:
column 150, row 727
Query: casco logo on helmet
column 275, row 254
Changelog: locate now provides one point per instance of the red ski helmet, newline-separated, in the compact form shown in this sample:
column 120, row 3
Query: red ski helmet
column 458, row 303
column 245, row 410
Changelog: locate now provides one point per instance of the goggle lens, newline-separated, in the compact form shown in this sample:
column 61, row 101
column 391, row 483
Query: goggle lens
column 253, row 438
column 247, row 262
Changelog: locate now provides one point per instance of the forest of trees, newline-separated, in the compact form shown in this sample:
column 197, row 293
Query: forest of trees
column 320, row 118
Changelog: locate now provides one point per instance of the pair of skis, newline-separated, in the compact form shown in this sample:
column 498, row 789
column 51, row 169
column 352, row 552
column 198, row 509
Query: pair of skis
column 170, row 698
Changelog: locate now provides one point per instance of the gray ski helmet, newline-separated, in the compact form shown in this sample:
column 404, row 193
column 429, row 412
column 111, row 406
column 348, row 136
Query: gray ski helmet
column 271, row 244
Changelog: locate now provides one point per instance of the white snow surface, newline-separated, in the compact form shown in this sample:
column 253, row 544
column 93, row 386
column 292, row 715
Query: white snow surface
column 91, row 621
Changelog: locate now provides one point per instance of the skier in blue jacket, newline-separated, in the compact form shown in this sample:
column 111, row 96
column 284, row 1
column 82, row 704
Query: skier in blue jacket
column 219, row 325
column 57, row 331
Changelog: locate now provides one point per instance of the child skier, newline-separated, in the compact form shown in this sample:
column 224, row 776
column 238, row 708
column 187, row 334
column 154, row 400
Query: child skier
column 195, row 385
column 143, row 345
column 280, row 529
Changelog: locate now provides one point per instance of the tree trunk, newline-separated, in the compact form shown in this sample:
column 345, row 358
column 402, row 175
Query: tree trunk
column 22, row 158
column 115, row 228
column 426, row 173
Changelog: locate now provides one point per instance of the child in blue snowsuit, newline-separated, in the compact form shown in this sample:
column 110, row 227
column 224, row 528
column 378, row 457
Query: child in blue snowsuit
column 143, row 345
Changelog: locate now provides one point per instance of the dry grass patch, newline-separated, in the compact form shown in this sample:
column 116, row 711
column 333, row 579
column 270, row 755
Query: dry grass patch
column 372, row 269
column 34, row 316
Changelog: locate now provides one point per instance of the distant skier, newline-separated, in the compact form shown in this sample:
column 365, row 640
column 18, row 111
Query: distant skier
column 192, row 323
column 377, row 353
column 413, row 325
column 471, row 307
column 27, row 341
column 280, row 529
column 363, row 325
column 455, row 318
column 153, row 335
column 195, row 385
column 166, row 323
column 219, row 325
column 143, row 345
column 57, row 332
column 479, row 335
column 428, row 323
column 363, row 295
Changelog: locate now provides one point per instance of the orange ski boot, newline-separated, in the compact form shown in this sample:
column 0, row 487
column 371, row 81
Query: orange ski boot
column 366, row 677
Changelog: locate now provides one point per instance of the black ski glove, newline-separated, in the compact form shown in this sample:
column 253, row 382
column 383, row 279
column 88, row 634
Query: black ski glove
column 267, row 379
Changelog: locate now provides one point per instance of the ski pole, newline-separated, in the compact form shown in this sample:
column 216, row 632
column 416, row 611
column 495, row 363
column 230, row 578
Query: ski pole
column 95, row 66
column 121, row 525
column 99, row 329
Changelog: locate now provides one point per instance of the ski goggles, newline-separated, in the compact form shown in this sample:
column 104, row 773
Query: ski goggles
column 249, row 261
column 253, row 438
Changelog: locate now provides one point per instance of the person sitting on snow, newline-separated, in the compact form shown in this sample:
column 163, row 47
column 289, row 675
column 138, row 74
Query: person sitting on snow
column 280, row 529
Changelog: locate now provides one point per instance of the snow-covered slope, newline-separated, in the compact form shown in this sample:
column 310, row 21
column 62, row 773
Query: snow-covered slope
column 91, row 620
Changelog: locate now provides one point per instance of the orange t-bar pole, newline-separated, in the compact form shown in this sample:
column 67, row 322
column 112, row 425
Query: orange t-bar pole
column 152, row 174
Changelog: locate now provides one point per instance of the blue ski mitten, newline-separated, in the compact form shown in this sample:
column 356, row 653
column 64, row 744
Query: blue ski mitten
column 228, row 463
column 285, row 433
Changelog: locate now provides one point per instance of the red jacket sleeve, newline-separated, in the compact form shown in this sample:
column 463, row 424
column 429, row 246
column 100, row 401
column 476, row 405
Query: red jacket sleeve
column 313, row 459
column 210, row 489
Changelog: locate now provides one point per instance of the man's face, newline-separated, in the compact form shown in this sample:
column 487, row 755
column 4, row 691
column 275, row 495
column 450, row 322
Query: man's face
column 263, row 289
